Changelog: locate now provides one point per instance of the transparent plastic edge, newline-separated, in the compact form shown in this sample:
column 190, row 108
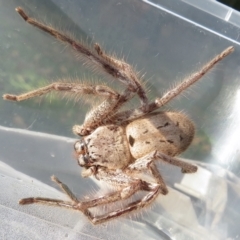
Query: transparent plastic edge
column 192, row 22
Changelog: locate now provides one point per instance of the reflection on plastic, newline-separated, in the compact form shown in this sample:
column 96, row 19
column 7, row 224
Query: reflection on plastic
column 225, row 150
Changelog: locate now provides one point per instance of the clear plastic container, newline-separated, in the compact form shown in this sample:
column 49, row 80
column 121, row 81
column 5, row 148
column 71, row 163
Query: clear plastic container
column 167, row 39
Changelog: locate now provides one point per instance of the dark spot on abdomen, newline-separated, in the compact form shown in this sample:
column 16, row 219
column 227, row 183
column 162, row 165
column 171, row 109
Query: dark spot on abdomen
column 131, row 140
column 165, row 125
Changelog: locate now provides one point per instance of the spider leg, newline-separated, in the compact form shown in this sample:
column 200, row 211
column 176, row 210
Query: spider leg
column 131, row 186
column 130, row 115
column 75, row 88
column 118, row 69
column 74, row 204
column 147, row 163
column 154, row 191
column 95, row 116
column 51, row 201
column 62, row 186
column 185, row 167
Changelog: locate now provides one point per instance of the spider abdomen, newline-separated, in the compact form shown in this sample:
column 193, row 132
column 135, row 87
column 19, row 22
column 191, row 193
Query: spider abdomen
column 168, row 132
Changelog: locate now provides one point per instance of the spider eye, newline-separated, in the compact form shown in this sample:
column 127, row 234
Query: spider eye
column 83, row 160
column 77, row 146
column 80, row 147
column 86, row 159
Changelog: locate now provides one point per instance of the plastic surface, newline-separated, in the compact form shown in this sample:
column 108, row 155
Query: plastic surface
column 197, row 206
column 165, row 39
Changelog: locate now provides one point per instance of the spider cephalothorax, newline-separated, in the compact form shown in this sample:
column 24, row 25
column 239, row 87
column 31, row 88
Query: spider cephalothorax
column 115, row 145
column 101, row 146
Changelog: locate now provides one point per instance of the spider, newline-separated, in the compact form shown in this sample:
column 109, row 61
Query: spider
column 115, row 146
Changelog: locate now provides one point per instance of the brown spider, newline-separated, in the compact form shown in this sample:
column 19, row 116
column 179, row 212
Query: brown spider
column 117, row 145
